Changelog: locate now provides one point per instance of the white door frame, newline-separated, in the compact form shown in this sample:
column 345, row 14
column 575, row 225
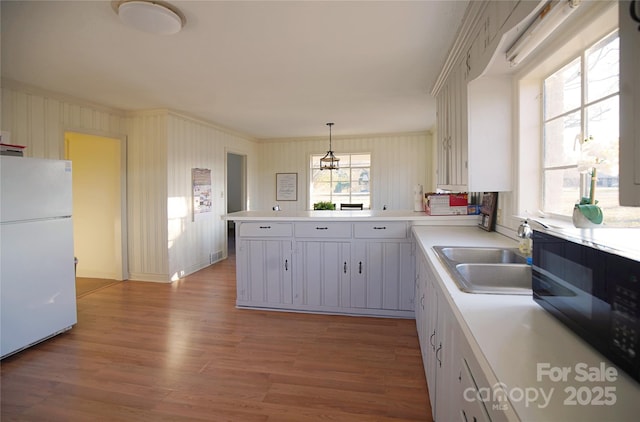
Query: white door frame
column 122, row 252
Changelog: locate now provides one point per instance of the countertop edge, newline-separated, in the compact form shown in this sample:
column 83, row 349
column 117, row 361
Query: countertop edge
column 417, row 218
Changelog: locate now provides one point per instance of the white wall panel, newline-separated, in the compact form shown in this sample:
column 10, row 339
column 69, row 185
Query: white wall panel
column 146, row 196
column 398, row 163
column 38, row 120
column 196, row 144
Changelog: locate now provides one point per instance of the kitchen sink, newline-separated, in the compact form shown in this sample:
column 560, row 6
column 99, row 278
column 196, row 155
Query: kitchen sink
column 482, row 255
column 487, row 270
column 491, row 278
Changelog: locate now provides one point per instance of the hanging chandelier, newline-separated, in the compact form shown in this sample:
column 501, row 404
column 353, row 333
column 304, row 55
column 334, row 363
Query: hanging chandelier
column 329, row 161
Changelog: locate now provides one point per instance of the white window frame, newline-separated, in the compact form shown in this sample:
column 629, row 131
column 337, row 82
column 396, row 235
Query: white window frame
column 580, row 109
column 341, row 167
column 527, row 200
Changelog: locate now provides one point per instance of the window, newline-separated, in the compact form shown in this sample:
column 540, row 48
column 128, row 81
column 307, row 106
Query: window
column 348, row 184
column 580, row 132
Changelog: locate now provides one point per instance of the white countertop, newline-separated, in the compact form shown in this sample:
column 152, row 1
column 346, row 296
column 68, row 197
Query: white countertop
column 510, row 335
column 419, row 218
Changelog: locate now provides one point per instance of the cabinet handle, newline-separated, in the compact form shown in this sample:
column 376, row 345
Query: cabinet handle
column 360, row 267
column 322, row 228
column 380, row 228
column 433, row 345
column 345, row 267
column 265, row 227
column 422, row 301
column 632, row 11
column 286, row 265
column 437, row 358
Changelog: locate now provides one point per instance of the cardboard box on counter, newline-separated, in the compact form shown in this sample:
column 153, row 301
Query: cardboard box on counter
column 446, row 203
column 445, row 210
column 450, row 199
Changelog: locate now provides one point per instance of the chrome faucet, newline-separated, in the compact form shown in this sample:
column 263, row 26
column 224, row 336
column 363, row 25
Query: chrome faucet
column 524, row 230
column 525, row 244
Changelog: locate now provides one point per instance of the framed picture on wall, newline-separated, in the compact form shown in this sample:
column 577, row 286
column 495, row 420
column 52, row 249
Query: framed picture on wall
column 286, row 186
column 201, row 188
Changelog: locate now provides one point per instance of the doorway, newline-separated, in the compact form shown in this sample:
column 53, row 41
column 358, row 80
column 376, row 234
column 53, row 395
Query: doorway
column 236, row 193
column 99, row 204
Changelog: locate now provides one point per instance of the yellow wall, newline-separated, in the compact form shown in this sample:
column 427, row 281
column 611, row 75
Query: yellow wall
column 96, row 204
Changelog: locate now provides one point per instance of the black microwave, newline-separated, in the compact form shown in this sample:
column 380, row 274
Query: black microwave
column 594, row 292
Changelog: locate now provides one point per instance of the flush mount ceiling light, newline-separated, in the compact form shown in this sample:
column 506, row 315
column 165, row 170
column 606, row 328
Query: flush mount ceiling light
column 150, row 16
column 329, row 161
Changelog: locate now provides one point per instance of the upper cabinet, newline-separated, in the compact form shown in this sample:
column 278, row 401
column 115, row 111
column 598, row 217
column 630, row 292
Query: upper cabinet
column 629, row 21
column 474, row 109
column 451, row 108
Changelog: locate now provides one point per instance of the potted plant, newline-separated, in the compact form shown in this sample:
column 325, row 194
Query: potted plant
column 324, row 205
column 587, row 213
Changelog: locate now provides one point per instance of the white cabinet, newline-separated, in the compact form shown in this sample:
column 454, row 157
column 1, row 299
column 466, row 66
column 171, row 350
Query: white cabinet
column 382, row 275
column 629, row 103
column 449, row 394
column 323, row 274
column 383, row 268
column 474, row 109
column 264, row 264
column 264, row 268
column 326, row 266
column 489, row 141
column 472, row 408
column 266, row 229
column 442, row 355
column 494, row 19
column 324, row 230
column 452, row 132
column 474, row 133
column 421, row 309
column 458, row 388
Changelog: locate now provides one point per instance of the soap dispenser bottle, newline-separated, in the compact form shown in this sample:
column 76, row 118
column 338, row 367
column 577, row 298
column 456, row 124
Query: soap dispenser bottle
column 525, row 244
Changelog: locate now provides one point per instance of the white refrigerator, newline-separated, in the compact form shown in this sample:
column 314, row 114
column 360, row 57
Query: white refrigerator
column 37, row 275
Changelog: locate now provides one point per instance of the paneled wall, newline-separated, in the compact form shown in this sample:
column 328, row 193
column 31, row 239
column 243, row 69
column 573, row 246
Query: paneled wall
column 162, row 147
column 164, row 241
column 195, row 241
column 398, row 163
column 147, row 196
column 38, row 119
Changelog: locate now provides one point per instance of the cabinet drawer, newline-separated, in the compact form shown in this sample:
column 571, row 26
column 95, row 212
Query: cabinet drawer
column 381, row 230
column 323, row 229
column 266, row 229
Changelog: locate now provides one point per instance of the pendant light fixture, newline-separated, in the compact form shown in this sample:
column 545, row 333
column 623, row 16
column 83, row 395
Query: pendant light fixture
column 329, row 161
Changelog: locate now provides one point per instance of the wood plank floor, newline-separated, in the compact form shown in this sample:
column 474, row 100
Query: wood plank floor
column 88, row 285
column 183, row 352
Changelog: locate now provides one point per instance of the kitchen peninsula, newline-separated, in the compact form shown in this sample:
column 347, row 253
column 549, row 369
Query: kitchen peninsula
column 344, row 262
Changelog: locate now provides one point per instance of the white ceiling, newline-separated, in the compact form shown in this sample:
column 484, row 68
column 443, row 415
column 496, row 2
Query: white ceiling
column 264, row 68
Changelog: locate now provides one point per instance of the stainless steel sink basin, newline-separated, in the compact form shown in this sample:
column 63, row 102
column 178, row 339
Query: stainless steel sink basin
column 492, row 278
column 482, row 255
column 487, row 270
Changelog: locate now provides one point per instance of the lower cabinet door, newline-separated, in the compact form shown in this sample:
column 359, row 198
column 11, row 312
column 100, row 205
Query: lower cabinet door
column 265, row 271
column 472, row 407
column 383, row 275
column 323, row 271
